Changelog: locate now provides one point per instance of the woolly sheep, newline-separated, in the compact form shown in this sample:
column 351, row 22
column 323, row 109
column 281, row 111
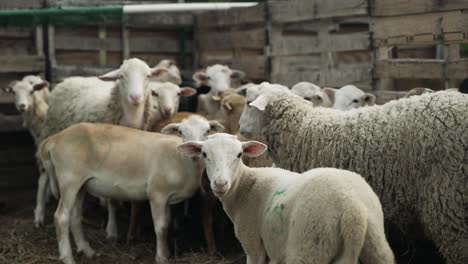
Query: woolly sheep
column 219, row 78
column 151, row 168
column 322, row 216
column 349, row 97
column 417, row 91
column 312, row 93
column 412, row 152
column 89, row 99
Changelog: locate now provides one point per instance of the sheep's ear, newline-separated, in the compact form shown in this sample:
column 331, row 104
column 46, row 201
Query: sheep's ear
column 200, row 78
column 187, row 91
column 171, row 129
column 191, row 148
column 216, row 126
column 253, row 149
column 226, row 105
column 369, row 99
column 261, row 102
column 238, row 75
column 41, row 86
column 9, row 88
column 111, row 76
column 330, row 92
column 158, row 72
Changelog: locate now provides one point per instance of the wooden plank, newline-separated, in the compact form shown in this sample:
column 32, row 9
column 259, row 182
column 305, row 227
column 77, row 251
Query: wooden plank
column 457, row 69
column 420, row 29
column 410, row 68
column 385, row 96
column 160, row 20
column 136, row 44
column 61, row 72
column 21, row 63
column 94, row 2
column 300, row 10
column 15, row 32
column 17, row 156
column 346, row 74
column 21, row 4
column 232, row 17
column 230, row 39
column 39, row 41
column 125, row 42
column 291, row 78
column 292, row 64
column 295, row 45
column 407, row 7
column 51, row 45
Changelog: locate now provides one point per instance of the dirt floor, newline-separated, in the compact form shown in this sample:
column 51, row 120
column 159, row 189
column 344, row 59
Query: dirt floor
column 21, row 243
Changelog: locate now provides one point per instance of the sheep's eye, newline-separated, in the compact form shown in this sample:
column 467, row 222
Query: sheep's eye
column 153, row 93
column 319, row 98
column 204, row 154
column 355, row 101
column 239, row 155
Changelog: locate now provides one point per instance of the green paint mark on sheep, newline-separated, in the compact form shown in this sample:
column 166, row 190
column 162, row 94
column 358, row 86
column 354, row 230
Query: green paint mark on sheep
column 276, row 213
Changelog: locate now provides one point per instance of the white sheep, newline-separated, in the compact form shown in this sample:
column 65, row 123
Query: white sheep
column 412, row 152
column 173, row 73
column 312, row 93
column 349, row 97
column 121, row 163
column 219, row 78
column 321, row 216
column 124, row 98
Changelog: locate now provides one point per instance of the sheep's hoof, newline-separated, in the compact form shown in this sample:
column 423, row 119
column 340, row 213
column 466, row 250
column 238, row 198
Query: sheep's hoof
column 67, row 260
column 38, row 223
column 88, row 252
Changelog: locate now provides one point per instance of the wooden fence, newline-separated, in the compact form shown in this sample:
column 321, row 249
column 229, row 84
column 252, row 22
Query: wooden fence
column 326, row 42
column 418, row 43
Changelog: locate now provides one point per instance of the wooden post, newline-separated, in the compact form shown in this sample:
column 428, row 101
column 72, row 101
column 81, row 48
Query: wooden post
column 451, row 53
column 384, row 84
column 102, row 48
column 51, row 40
column 125, row 42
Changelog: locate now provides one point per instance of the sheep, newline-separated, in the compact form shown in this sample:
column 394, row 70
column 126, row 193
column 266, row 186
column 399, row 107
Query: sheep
column 417, row 91
column 412, row 151
column 165, row 100
column 173, row 72
column 219, row 78
column 142, row 165
column 324, row 215
column 349, row 97
column 126, row 101
column 312, row 93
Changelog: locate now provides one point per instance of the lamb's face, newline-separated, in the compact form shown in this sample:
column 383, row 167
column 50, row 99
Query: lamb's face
column 218, row 77
column 193, row 128
column 222, row 155
column 350, row 97
column 23, row 92
column 166, row 97
column 133, row 75
column 173, row 74
column 312, row 93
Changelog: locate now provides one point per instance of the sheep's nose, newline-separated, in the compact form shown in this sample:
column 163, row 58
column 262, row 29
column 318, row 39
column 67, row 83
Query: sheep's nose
column 167, row 110
column 220, row 183
column 135, row 99
column 21, row 107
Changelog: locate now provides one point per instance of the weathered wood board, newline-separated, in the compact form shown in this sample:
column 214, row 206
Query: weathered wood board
column 407, row 7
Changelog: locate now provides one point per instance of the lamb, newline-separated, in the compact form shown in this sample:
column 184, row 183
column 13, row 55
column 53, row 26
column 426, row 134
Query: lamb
column 151, row 168
column 417, row 91
column 219, row 78
column 313, row 93
column 350, row 97
column 412, row 152
column 173, row 72
column 126, row 101
column 322, row 216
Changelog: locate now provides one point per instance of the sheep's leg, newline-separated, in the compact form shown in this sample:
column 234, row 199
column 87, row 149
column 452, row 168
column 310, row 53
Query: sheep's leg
column 257, row 259
column 111, row 226
column 39, row 211
column 62, row 224
column 77, row 229
column 209, row 202
column 161, row 216
column 134, row 220
column 376, row 248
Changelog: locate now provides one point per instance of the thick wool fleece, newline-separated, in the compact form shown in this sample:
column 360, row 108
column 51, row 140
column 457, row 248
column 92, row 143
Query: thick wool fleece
column 72, row 104
column 413, row 152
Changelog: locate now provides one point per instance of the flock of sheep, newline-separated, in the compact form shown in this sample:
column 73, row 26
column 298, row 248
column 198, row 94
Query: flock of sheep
column 337, row 165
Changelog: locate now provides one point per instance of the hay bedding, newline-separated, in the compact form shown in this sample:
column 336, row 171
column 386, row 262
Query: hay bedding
column 21, row 243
